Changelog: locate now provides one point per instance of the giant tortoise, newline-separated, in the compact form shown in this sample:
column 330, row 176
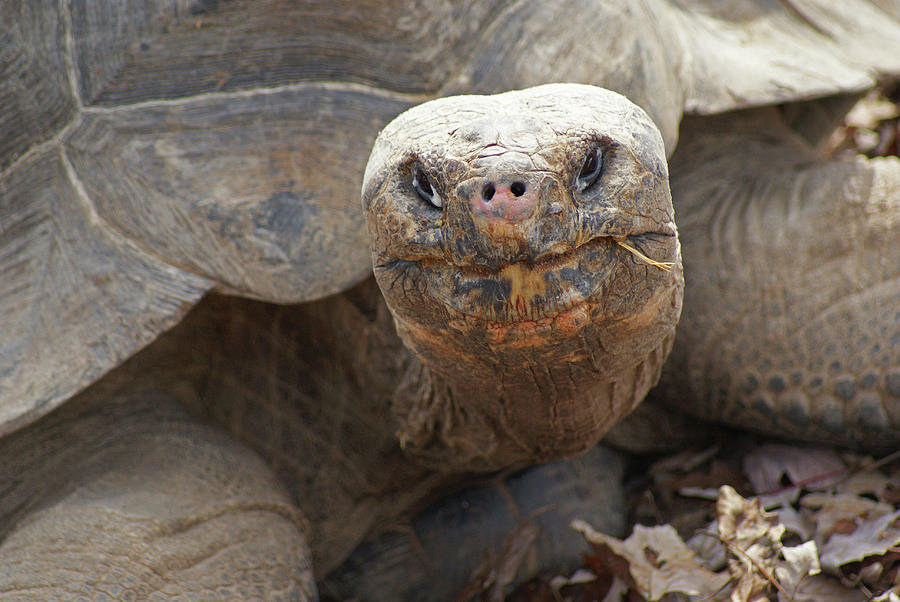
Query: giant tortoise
column 203, row 393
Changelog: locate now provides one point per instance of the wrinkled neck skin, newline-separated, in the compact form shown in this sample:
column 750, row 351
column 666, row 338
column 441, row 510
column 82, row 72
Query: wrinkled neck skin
column 533, row 329
column 499, row 397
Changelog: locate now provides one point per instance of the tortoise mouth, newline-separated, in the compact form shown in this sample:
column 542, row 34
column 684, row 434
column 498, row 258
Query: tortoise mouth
column 527, row 292
column 522, row 293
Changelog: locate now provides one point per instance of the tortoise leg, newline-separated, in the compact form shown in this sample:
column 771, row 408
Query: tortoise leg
column 791, row 322
column 509, row 528
column 122, row 495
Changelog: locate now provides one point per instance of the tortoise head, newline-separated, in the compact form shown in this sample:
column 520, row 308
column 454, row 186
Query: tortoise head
column 507, row 234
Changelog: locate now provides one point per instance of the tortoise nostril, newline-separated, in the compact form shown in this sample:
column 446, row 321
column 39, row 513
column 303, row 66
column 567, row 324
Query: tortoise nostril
column 517, row 188
column 487, row 193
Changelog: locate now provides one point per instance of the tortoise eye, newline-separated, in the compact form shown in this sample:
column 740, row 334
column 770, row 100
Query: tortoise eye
column 423, row 187
column 590, row 170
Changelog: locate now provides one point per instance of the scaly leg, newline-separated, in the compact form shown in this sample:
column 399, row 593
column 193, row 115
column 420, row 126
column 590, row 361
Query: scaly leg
column 120, row 493
column 791, row 322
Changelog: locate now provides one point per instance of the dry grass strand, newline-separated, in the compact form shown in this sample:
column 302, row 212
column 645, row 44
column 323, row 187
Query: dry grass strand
column 663, row 265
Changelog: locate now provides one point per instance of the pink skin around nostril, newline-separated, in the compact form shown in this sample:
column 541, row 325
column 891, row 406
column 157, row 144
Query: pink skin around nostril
column 504, row 205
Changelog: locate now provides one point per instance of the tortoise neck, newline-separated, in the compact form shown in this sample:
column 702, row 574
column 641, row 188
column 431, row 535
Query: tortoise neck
column 466, row 421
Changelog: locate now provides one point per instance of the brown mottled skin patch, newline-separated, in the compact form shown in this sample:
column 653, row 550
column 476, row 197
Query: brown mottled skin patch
column 535, row 331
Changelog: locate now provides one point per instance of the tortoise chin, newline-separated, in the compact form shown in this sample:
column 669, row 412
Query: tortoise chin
column 598, row 305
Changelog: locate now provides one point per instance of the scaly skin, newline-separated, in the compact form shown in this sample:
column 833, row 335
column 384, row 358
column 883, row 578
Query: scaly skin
column 792, row 325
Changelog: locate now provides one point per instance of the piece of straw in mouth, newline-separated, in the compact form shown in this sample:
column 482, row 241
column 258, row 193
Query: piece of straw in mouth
column 663, row 265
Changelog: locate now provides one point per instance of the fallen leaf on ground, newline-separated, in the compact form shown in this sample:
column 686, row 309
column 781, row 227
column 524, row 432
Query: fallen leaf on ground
column 658, row 560
column 709, row 549
column 840, row 513
column 578, row 577
column 871, row 538
column 813, row 467
column 871, row 110
column 795, row 523
column 753, row 538
column 617, row 591
column 866, row 482
column 799, row 563
column 819, row 588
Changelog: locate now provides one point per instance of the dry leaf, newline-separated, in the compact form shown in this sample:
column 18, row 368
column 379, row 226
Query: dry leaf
column 812, row 467
column 869, row 481
column 617, row 591
column 795, row 523
column 578, row 577
column 659, row 562
column 819, row 588
column 800, row 562
column 871, row 538
column 754, row 542
column 870, row 111
column 710, row 551
column 701, row 493
column 835, row 513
